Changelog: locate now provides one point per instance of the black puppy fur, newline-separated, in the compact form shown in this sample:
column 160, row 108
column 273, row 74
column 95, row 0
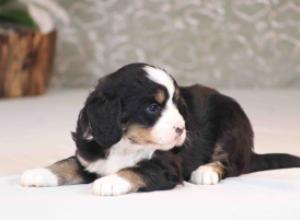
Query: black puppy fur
column 218, row 131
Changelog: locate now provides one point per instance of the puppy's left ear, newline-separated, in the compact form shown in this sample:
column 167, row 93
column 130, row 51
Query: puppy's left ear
column 104, row 115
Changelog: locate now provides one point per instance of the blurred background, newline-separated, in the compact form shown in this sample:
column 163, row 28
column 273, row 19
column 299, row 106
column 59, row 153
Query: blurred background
column 224, row 44
column 228, row 44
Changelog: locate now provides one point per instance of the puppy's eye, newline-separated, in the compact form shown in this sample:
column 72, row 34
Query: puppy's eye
column 153, row 109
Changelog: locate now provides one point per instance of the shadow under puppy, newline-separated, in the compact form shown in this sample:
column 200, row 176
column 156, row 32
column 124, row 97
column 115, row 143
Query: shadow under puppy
column 140, row 131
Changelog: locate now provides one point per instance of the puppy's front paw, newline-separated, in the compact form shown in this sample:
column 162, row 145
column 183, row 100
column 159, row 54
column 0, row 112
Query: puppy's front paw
column 39, row 177
column 111, row 185
column 205, row 175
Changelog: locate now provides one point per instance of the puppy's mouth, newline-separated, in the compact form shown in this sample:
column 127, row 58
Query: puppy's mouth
column 177, row 142
column 180, row 139
column 143, row 136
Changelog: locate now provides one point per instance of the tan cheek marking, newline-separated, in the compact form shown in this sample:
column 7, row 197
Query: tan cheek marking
column 139, row 135
column 136, row 181
column 160, row 96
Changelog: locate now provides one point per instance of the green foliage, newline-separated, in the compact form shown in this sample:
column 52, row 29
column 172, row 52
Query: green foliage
column 3, row 2
column 16, row 17
column 16, row 13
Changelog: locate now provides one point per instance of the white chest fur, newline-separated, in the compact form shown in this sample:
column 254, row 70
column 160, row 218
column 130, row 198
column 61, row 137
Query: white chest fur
column 123, row 154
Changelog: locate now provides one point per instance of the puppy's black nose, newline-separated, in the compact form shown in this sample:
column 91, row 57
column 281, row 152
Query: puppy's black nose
column 179, row 131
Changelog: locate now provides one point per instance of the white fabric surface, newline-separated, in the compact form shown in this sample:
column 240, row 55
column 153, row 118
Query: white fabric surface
column 35, row 132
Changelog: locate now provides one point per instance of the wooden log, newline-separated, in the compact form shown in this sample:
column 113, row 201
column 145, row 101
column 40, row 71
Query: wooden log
column 26, row 62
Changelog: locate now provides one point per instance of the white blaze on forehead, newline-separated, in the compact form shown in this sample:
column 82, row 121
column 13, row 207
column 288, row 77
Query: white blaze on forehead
column 163, row 131
column 161, row 77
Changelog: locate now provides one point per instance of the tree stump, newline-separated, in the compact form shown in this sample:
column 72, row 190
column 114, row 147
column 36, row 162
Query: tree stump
column 26, row 61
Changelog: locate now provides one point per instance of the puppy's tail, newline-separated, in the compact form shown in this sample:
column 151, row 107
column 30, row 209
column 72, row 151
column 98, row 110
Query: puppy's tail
column 260, row 162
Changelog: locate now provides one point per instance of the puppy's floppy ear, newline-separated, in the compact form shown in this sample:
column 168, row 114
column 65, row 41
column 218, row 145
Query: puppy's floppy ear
column 99, row 121
column 104, row 116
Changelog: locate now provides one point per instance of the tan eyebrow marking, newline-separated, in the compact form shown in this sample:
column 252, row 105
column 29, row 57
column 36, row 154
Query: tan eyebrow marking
column 160, row 96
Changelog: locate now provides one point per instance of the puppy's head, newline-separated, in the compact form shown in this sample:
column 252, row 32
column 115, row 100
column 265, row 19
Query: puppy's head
column 138, row 102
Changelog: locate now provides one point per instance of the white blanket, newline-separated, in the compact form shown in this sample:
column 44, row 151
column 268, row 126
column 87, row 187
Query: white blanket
column 35, row 132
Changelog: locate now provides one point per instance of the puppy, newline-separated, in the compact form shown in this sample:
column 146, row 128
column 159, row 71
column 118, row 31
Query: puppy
column 140, row 131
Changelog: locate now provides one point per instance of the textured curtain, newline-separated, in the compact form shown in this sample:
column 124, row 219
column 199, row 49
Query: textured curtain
column 223, row 43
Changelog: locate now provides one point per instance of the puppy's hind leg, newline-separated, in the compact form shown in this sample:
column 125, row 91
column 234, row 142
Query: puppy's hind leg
column 65, row 172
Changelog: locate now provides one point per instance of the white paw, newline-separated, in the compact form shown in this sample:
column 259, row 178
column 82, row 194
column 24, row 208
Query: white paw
column 111, row 185
column 39, row 177
column 205, row 175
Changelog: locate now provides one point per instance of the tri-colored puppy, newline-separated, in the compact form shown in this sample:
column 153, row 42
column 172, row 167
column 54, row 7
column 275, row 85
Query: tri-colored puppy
column 140, row 131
